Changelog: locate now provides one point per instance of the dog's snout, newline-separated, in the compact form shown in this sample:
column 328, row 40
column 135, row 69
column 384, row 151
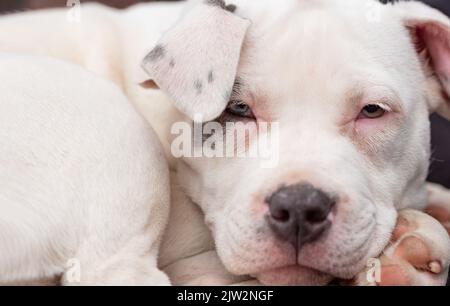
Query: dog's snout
column 299, row 213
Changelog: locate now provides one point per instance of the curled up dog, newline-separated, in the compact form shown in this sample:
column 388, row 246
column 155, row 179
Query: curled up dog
column 350, row 93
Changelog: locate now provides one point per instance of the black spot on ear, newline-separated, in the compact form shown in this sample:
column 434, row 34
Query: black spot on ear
column 220, row 3
column 156, row 54
column 198, row 85
column 172, row 63
column 211, row 77
column 231, row 8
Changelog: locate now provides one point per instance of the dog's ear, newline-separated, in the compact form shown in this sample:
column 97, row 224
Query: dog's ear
column 195, row 62
column 430, row 32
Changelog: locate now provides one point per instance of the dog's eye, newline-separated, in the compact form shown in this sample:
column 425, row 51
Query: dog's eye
column 240, row 109
column 372, row 111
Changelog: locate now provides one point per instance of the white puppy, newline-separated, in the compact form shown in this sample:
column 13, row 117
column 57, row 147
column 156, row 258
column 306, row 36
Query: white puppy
column 83, row 180
column 351, row 84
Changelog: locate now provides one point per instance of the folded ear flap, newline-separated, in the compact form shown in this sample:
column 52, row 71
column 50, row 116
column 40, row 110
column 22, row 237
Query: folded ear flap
column 196, row 61
column 430, row 31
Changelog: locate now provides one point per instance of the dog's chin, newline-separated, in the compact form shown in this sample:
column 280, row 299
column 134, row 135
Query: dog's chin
column 294, row 276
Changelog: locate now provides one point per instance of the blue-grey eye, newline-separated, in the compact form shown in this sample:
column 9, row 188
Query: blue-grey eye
column 372, row 111
column 240, row 109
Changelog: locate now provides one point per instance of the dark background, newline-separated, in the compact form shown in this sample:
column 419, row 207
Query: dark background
column 440, row 168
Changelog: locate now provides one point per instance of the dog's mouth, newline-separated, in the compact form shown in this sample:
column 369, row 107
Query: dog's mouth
column 306, row 273
column 294, row 275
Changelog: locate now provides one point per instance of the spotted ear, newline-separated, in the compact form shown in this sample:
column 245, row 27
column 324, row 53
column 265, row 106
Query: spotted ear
column 195, row 62
column 430, row 32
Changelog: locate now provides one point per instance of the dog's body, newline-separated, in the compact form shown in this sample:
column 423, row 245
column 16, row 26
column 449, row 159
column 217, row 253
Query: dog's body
column 110, row 58
column 188, row 250
column 78, row 190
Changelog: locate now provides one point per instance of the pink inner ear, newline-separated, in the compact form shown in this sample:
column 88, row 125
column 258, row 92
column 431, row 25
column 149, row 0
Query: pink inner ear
column 436, row 38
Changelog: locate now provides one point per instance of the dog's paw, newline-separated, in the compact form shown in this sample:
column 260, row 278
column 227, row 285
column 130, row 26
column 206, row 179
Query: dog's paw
column 418, row 254
column 439, row 204
column 157, row 278
column 127, row 272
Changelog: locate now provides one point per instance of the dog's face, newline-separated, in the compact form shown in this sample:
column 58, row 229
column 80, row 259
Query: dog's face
column 351, row 95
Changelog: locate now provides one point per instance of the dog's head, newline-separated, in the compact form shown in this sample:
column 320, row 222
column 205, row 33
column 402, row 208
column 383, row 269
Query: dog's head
column 350, row 84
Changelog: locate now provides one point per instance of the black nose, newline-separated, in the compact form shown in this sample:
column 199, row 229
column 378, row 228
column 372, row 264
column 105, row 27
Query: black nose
column 299, row 213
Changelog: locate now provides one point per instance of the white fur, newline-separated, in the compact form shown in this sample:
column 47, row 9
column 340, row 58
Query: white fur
column 301, row 60
column 83, row 181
